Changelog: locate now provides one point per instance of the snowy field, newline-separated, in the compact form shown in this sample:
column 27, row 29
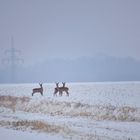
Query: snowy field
column 93, row 111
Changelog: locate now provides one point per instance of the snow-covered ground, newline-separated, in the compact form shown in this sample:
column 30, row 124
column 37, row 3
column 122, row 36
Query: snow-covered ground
column 98, row 111
column 9, row 134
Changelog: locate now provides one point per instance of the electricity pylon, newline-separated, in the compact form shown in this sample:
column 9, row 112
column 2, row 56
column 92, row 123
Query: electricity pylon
column 12, row 59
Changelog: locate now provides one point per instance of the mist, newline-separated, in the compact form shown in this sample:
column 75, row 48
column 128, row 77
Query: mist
column 85, row 69
column 72, row 41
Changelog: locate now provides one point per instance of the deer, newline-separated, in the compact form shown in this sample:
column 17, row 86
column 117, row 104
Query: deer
column 66, row 89
column 61, row 89
column 56, row 89
column 38, row 90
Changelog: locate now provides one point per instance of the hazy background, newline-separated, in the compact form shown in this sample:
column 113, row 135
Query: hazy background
column 71, row 40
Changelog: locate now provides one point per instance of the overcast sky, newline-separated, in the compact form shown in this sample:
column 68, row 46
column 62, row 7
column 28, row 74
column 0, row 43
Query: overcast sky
column 70, row 28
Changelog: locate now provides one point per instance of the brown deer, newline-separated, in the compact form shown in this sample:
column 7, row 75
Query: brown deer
column 66, row 89
column 61, row 89
column 56, row 89
column 38, row 90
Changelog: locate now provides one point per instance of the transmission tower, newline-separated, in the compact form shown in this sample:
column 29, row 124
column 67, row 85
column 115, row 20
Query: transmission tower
column 13, row 60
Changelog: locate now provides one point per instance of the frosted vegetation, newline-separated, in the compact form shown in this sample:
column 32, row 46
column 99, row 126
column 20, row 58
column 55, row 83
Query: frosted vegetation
column 98, row 111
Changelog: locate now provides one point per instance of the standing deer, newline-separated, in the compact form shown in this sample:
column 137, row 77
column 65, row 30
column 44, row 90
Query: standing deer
column 38, row 90
column 66, row 89
column 61, row 89
column 56, row 89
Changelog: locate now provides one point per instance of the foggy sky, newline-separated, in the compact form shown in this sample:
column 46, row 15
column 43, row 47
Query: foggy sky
column 70, row 28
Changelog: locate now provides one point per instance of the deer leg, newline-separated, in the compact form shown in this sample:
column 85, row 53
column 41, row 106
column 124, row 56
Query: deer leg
column 60, row 93
column 55, row 92
column 67, row 93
